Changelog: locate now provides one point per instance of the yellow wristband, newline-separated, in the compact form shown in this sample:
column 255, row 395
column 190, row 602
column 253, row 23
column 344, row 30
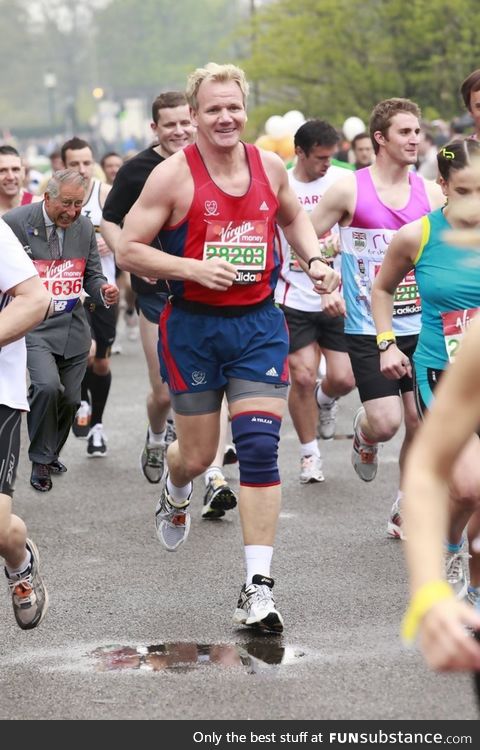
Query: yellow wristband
column 427, row 595
column 386, row 336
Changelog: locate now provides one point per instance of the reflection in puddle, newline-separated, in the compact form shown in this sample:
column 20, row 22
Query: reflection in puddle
column 257, row 655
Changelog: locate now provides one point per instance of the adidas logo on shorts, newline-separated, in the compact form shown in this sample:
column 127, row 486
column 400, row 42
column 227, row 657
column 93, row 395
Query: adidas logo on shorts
column 272, row 373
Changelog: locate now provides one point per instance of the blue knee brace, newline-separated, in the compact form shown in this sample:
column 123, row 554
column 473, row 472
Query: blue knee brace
column 256, row 436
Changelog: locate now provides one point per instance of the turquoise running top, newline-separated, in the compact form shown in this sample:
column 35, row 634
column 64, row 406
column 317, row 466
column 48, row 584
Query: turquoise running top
column 448, row 279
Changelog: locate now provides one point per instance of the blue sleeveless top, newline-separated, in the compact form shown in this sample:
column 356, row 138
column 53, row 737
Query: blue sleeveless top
column 448, row 279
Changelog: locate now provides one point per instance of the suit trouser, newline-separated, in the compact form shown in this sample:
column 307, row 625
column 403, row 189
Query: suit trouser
column 53, row 397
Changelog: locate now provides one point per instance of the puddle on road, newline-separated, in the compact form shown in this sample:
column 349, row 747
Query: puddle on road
column 255, row 656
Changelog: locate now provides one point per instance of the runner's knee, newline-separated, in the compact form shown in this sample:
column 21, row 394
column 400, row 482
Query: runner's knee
column 256, row 436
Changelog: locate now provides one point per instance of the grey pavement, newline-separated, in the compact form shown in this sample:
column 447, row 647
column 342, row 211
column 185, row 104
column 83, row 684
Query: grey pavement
column 115, row 592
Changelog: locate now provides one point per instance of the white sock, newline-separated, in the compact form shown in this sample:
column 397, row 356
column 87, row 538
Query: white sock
column 309, row 449
column 258, row 559
column 178, row 494
column 17, row 572
column 322, row 398
column 213, row 471
column 155, row 438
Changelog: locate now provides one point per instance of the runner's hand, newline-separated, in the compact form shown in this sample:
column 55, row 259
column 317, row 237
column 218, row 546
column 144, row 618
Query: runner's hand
column 110, row 293
column 333, row 304
column 394, row 364
column 215, row 273
column 325, row 279
column 444, row 640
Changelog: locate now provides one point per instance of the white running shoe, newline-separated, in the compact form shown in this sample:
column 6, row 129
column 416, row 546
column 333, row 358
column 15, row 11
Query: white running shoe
column 394, row 526
column 218, row 498
column 256, row 606
column 364, row 455
column 456, row 571
column 28, row 592
column 172, row 521
column 97, row 442
column 311, row 470
column 327, row 417
column 152, row 460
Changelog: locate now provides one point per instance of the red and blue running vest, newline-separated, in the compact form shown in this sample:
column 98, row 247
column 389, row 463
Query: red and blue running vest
column 240, row 229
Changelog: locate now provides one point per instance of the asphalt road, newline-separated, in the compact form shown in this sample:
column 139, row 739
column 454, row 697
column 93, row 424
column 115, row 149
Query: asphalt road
column 135, row 632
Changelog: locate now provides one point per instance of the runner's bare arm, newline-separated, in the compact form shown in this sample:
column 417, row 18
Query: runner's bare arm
column 399, row 259
column 111, row 233
column 164, row 201
column 297, row 227
column 30, row 305
column 104, row 246
column 336, row 206
column 444, row 640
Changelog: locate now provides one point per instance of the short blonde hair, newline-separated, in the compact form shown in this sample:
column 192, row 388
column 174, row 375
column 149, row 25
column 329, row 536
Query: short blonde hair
column 214, row 72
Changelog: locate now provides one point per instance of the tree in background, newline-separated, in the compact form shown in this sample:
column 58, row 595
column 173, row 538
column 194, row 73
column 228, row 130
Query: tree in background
column 327, row 58
column 334, row 58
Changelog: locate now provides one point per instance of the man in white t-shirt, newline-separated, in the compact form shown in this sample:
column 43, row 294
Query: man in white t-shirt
column 312, row 332
column 24, row 302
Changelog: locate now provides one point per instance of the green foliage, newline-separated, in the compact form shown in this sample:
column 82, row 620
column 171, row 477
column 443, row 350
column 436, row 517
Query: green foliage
column 335, row 58
column 328, row 58
column 151, row 46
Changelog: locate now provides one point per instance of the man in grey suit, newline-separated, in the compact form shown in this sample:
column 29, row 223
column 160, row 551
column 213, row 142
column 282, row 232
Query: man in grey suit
column 63, row 248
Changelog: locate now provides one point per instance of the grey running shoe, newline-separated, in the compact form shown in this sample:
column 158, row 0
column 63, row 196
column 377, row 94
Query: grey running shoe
column 218, row 498
column 456, row 571
column 256, row 606
column 29, row 595
column 311, row 470
column 152, row 461
column 473, row 597
column 327, row 417
column 394, row 526
column 170, row 434
column 172, row 521
column 364, row 455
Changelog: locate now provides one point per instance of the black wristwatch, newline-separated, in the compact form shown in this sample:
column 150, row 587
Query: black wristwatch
column 383, row 345
column 316, row 257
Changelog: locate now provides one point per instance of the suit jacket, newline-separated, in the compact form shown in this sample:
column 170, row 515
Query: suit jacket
column 67, row 334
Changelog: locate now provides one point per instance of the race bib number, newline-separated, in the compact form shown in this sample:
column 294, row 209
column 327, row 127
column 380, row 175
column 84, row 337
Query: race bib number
column 455, row 324
column 241, row 243
column 63, row 279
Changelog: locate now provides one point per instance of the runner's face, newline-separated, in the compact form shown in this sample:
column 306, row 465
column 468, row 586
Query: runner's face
column 316, row 164
column 475, row 109
column 174, row 129
column 111, row 165
column 81, row 160
column 402, row 139
column 363, row 152
column 12, row 174
column 463, row 194
column 66, row 207
column 220, row 116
